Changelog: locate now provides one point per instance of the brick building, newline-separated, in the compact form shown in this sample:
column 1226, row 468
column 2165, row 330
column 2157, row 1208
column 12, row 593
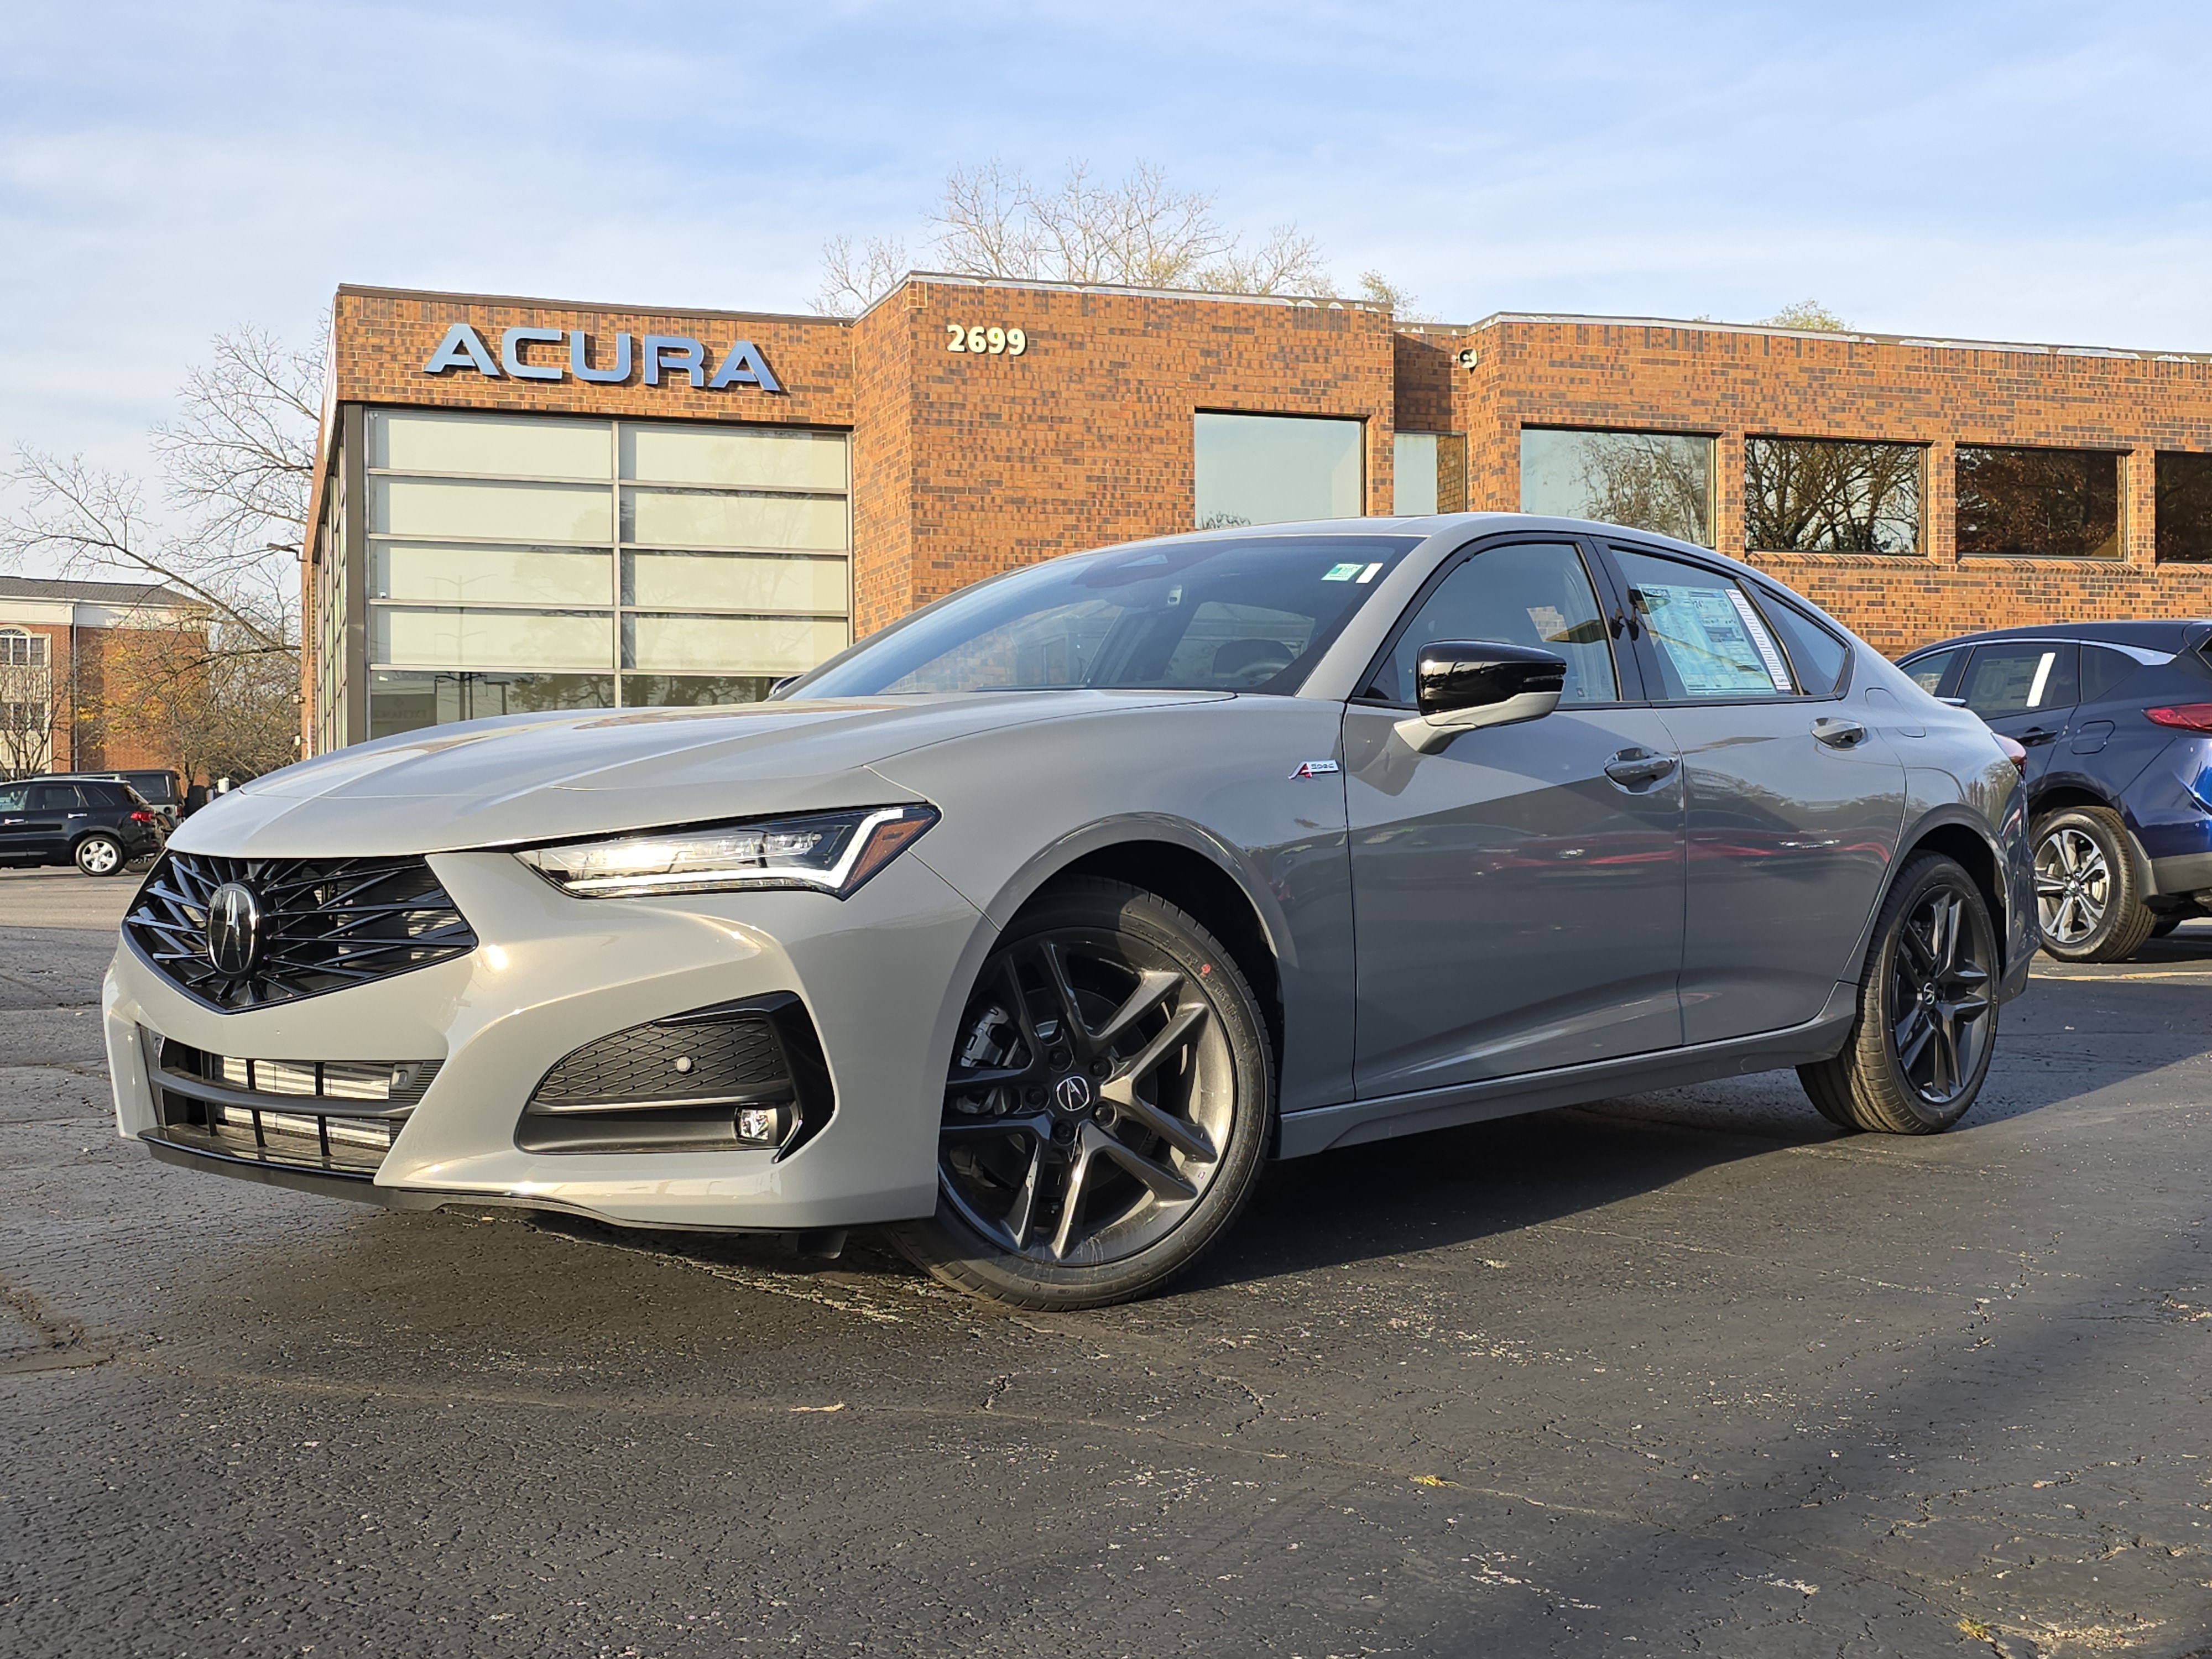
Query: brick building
column 532, row 504
column 76, row 659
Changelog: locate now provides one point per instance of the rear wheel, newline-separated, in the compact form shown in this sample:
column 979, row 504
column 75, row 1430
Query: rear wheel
column 99, row 856
column 1927, row 1018
column 1108, row 1106
column 2088, row 900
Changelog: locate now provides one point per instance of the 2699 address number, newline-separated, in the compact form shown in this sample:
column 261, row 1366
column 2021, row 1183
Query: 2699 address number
column 992, row 340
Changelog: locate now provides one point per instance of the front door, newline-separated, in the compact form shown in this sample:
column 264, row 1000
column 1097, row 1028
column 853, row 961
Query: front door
column 1517, row 895
column 14, row 820
column 1794, row 807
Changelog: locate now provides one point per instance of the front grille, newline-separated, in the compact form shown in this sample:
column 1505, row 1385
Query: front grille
column 327, row 923
column 678, row 1084
column 337, row 1116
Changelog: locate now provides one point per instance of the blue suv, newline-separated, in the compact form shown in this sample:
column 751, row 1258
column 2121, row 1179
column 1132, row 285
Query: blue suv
column 2116, row 720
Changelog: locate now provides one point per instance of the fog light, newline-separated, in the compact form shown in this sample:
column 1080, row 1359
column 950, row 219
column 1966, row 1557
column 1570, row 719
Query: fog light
column 762, row 1125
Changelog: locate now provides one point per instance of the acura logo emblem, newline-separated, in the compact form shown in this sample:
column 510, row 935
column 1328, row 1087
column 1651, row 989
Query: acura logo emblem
column 233, row 930
column 1072, row 1094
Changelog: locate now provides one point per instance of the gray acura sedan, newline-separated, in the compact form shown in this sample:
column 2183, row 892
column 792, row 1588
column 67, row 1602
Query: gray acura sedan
column 1032, row 926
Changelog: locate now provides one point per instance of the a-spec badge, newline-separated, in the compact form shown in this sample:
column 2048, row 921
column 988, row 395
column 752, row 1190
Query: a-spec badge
column 1316, row 769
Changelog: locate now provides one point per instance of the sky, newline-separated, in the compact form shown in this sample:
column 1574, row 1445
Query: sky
column 2021, row 171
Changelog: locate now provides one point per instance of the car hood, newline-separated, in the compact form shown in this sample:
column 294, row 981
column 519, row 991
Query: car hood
column 539, row 777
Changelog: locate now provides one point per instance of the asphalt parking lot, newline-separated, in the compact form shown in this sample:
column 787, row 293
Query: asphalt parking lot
column 1688, row 1372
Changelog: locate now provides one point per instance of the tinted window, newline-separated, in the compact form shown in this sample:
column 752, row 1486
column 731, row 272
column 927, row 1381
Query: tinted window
column 2184, row 516
column 1707, row 639
column 2102, row 671
column 51, row 797
column 153, row 785
column 2039, row 503
column 1535, row 593
column 132, row 797
column 1928, row 671
column 1817, row 655
column 1228, row 614
column 2021, row 677
column 14, row 800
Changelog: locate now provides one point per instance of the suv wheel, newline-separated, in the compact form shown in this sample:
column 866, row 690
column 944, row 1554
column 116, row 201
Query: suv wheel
column 1110, row 1103
column 99, row 856
column 1928, row 1016
column 2088, row 901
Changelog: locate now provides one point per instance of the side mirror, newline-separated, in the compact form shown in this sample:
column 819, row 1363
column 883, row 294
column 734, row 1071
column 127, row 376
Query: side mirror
column 1461, row 684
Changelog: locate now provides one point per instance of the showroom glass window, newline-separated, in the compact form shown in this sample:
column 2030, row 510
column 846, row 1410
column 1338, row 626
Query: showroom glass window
column 1831, row 496
column 2038, row 503
column 1662, row 482
column 1276, row 468
column 520, row 563
column 2185, row 508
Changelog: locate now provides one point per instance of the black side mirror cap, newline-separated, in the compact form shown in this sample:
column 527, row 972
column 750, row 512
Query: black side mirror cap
column 1460, row 685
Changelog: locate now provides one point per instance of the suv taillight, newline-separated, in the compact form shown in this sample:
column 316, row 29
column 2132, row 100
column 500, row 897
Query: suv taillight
column 142, row 817
column 2189, row 716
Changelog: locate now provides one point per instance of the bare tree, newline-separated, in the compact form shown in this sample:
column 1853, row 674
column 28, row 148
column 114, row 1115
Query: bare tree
column 28, row 714
column 1143, row 232
column 239, row 459
column 1650, row 480
column 1399, row 302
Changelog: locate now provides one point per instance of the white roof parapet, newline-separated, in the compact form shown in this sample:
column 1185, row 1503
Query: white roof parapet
column 1706, row 325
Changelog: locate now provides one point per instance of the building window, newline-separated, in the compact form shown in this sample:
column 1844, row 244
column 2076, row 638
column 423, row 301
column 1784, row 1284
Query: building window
column 1413, row 475
column 2185, row 508
column 1276, row 468
column 524, row 563
column 1656, row 480
column 1831, row 496
column 25, row 704
column 2038, row 503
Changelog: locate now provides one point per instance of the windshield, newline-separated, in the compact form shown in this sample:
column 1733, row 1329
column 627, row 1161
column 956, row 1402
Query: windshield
column 1236, row 614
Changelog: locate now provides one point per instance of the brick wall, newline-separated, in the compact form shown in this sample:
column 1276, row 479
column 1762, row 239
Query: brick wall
column 1731, row 383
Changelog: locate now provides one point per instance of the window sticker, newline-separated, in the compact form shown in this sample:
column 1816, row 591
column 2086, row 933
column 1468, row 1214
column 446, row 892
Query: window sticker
column 1341, row 573
column 1712, row 646
column 1760, row 637
column 2042, row 679
column 1369, row 574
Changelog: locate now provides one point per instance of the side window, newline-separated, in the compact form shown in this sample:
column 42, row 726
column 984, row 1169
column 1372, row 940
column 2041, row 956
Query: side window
column 1817, row 655
column 1532, row 594
column 56, row 797
column 2021, row 677
column 1928, row 671
column 16, row 799
column 1707, row 640
column 2102, row 670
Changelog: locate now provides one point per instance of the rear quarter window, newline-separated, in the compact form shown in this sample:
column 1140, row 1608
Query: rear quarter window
column 1928, row 671
column 2103, row 671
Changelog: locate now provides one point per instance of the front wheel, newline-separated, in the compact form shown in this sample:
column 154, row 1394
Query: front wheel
column 1928, row 1017
column 99, row 856
column 1110, row 1103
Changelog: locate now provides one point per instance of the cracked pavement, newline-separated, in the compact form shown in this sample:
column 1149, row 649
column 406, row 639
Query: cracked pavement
column 1685, row 1373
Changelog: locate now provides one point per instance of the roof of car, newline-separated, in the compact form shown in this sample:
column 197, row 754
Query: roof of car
column 2155, row 635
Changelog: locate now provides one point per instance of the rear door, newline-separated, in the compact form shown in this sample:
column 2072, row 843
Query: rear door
column 1794, row 807
column 2026, row 689
column 1517, row 895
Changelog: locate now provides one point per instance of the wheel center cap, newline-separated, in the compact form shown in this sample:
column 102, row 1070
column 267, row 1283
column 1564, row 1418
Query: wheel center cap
column 1072, row 1094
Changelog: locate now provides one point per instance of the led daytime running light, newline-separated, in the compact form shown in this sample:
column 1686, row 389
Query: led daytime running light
column 828, row 852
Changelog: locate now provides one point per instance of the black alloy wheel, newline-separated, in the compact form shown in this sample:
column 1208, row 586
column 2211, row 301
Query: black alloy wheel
column 2088, row 900
column 1928, row 1016
column 1107, row 1109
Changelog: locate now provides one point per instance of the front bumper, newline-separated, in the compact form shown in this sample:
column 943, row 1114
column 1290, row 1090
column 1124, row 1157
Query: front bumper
column 881, row 974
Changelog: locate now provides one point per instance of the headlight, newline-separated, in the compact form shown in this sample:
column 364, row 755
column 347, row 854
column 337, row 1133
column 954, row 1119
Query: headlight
column 833, row 852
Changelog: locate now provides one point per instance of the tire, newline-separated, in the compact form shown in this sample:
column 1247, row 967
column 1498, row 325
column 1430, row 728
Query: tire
column 2161, row 926
column 99, row 856
column 1927, row 1017
column 2088, row 903
column 1157, row 1113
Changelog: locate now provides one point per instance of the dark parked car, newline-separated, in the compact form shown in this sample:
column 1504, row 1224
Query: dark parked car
column 2116, row 719
column 164, row 790
column 96, row 823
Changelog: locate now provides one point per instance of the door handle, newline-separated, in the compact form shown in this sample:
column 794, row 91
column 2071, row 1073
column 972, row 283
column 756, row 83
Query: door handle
column 2034, row 735
column 1838, row 734
column 1632, row 768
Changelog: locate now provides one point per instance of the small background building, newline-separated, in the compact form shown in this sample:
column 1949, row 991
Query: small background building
column 79, row 663
column 529, row 504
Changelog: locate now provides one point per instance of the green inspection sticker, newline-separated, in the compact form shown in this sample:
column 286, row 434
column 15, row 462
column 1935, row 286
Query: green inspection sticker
column 1342, row 573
